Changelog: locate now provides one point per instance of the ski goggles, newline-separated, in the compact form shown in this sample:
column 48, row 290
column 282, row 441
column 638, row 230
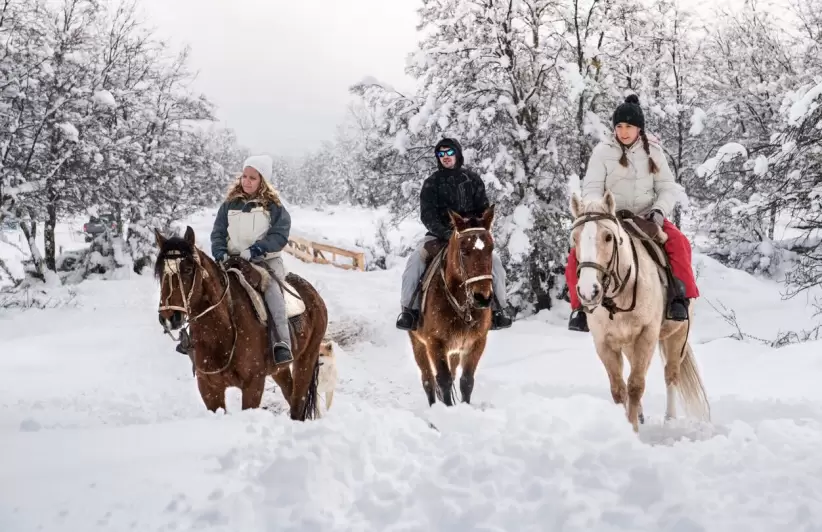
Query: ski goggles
column 449, row 152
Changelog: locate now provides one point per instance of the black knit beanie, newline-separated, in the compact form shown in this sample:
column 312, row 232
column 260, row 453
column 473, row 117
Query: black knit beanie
column 630, row 112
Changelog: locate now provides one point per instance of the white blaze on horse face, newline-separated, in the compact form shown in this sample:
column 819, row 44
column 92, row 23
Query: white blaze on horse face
column 172, row 266
column 588, row 283
column 479, row 244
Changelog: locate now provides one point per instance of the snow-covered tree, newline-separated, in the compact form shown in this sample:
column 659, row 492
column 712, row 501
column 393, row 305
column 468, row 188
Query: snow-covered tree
column 95, row 113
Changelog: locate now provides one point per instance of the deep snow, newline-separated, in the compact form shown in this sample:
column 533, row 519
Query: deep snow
column 101, row 426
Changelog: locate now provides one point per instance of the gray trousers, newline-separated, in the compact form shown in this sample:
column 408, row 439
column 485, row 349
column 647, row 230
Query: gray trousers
column 415, row 267
column 275, row 300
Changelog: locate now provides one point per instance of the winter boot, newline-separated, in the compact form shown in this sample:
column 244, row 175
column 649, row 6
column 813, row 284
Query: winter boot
column 677, row 302
column 185, row 342
column 499, row 318
column 407, row 320
column 280, row 351
column 578, row 321
column 282, row 355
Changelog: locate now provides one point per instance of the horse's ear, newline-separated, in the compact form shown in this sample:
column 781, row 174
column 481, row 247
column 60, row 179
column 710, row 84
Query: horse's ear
column 488, row 217
column 189, row 236
column 576, row 205
column 609, row 203
column 158, row 236
column 457, row 221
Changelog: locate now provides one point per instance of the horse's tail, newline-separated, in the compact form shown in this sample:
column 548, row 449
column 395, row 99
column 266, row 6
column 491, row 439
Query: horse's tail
column 312, row 406
column 690, row 388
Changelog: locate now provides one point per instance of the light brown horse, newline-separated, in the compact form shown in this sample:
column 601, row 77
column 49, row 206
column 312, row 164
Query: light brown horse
column 456, row 310
column 622, row 289
column 230, row 344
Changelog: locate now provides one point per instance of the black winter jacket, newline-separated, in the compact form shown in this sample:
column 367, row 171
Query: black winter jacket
column 458, row 189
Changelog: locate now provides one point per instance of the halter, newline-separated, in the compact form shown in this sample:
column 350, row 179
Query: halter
column 171, row 271
column 465, row 311
column 611, row 270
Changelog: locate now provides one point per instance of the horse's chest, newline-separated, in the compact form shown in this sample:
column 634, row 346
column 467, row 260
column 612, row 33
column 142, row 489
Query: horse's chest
column 618, row 333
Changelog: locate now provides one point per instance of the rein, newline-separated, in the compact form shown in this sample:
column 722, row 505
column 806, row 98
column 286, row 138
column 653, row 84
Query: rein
column 171, row 271
column 611, row 270
column 464, row 311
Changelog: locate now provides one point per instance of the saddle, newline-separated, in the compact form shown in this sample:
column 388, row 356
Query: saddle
column 256, row 279
column 432, row 254
column 653, row 239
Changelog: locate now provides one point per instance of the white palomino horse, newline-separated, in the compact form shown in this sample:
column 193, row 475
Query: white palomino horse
column 623, row 292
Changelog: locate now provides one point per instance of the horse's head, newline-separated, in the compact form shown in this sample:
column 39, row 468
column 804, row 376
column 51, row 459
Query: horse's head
column 599, row 241
column 181, row 273
column 468, row 260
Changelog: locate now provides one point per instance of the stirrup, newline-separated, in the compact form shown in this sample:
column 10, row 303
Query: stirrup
column 407, row 320
column 578, row 321
column 669, row 311
column 282, row 355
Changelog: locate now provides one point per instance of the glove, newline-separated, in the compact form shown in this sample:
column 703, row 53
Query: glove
column 657, row 217
column 252, row 252
column 219, row 258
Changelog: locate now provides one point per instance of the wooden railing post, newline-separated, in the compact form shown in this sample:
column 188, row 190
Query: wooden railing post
column 310, row 251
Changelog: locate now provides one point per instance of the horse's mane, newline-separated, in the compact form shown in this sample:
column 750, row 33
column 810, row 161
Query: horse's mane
column 180, row 248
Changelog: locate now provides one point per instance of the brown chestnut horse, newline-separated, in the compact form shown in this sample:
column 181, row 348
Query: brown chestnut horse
column 455, row 315
column 230, row 343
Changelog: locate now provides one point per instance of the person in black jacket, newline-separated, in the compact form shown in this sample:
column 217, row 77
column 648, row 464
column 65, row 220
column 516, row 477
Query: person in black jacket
column 461, row 190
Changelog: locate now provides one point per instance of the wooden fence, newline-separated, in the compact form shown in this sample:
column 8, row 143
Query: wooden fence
column 310, row 251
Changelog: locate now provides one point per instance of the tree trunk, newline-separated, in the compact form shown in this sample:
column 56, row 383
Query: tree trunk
column 772, row 225
column 48, row 236
column 539, row 277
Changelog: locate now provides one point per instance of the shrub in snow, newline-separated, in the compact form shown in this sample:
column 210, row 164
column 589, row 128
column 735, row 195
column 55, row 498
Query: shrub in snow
column 100, row 260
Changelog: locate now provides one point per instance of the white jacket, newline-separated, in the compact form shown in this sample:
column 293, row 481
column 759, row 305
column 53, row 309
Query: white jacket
column 245, row 224
column 634, row 187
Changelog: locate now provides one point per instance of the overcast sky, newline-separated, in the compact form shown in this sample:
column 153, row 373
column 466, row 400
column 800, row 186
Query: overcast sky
column 280, row 70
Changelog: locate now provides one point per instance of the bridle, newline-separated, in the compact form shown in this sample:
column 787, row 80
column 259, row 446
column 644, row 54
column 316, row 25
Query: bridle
column 171, row 271
column 610, row 272
column 465, row 310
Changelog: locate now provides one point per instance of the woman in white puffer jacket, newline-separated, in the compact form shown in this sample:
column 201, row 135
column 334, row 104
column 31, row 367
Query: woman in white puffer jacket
column 635, row 170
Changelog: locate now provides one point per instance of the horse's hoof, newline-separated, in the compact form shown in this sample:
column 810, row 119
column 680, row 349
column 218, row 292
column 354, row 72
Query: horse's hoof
column 641, row 419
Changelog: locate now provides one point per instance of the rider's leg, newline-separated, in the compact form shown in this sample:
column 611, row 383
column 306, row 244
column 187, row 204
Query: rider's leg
column 414, row 269
column 275, row 300
column 499, row 319
column 579, row 320
column 679, row 254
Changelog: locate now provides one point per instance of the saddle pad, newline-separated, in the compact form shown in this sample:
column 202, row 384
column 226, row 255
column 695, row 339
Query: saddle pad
column 293, row 305
column 428, row 276
column 257, row 300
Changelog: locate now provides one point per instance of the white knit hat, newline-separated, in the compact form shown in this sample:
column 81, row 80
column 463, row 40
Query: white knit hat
column 261, row 163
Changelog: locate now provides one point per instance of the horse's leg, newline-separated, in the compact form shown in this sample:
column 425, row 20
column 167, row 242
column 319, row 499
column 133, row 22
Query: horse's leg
column 671, row 348
column 445, row 381
column 283, row 379
column 423, row 362
column 470, row 360
column 612, row 360
column 639, row 357
column 253, row 392
column 213, row 395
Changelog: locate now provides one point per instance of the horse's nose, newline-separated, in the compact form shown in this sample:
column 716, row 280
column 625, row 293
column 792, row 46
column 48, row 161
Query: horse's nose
column 171, row 319
column 594, row 292
column 481, row 300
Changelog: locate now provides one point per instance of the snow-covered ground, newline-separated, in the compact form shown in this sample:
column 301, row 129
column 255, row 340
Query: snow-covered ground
column 101, row 426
